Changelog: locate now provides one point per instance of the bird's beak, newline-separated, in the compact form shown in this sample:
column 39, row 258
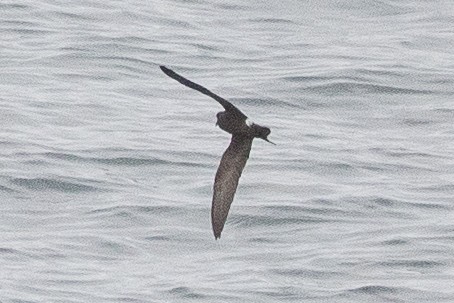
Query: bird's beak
column 266, row 139
column 216, row 124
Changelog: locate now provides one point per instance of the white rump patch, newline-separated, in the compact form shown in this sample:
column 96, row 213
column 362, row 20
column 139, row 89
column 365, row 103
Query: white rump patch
column 249, row 122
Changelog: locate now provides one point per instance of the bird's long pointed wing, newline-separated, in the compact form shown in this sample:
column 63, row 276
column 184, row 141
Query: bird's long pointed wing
column 226, row 104
column 226, row 180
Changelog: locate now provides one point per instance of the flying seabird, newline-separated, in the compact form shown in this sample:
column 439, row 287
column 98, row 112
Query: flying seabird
column 243, row 131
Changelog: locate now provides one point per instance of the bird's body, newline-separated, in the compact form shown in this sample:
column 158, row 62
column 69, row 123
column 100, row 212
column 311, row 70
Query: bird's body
column 243, row 131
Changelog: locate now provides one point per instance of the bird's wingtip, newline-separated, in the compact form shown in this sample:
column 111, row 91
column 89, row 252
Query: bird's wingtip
column 217, row 234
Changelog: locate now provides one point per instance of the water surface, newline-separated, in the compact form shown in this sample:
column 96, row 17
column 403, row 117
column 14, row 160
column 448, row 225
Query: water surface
column 107, row 165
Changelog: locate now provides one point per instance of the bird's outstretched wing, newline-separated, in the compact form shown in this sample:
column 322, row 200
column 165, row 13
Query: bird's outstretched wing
column 226, row 104
column 226, row 180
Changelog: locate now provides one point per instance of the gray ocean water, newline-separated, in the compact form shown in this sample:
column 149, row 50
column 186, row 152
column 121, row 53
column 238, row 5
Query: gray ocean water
column 107, row 165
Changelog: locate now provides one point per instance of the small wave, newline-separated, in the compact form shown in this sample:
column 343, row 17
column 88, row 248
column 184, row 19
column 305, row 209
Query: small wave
column 283, row 293
column 129, row 161
column 444, row 110
column 157, row 238
column 8, row 251
column 232, row 7
column 272, row 20
column 416, row 122
column 121, row 161
column 135, row 209
column 127, row 60
column 6, row 189
column 306, row 273
column 395, row 242
column 356, row 88
column 449, row 188
column 263, row 240
column 324, row 210
column 392, row 294
column 412, row 264
column 374, row 290
column 304, row 79
column 388, row 204
column 373, row 8
column 8, row 6
column 258, row 220
column 43, row 184
column 404, row 153
column 20, row 23
column 75, row 17
column 186, row 292
column 264, row 102
column 24, row 31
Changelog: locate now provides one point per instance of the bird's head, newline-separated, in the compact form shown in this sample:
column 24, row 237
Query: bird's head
column 263, row 132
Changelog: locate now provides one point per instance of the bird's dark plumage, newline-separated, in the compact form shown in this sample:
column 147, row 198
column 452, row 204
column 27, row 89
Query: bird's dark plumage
column 233, row 121
column 226, row 180
column 226, row 104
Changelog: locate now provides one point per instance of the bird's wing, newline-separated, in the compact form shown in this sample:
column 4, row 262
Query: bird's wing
column 226, row 180
column 226, row 104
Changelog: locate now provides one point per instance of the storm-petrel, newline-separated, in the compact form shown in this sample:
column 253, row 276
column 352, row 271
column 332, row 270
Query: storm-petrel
column 243, row 131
